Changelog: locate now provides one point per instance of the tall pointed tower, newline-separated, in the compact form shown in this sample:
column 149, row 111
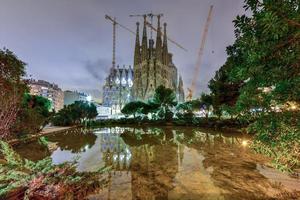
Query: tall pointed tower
column 165, row 53
column 137, row 51
column 158, row 50
column 180, row 91
column 144, row 50
column 153, row 65
column 144, row 61
column 137, row 81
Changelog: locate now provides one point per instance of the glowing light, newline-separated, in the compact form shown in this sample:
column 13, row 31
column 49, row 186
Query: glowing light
column 245, row 143
column 89, row 98
column 123, row 81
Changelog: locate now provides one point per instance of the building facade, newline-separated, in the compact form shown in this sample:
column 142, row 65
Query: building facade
column 48, row 90
column 117, row 88
column 153, row 65
column 72, row 96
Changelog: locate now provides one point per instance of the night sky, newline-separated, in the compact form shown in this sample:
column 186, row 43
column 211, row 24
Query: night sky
column 69, row 42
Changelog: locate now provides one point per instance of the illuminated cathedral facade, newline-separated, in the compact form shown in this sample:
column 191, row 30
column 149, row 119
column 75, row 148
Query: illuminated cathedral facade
column 117, row 90
column 153, row 65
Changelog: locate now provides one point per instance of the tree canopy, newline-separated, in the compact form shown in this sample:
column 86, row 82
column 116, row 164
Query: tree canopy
column 75, row 113
column 33, row 115
column 261, row 77
column 12, row 89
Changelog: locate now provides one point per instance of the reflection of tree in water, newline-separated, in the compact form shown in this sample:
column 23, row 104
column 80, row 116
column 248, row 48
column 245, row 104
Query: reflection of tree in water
column 153, row 169
column 233, row 168
column 75, row 140
column 33, row 151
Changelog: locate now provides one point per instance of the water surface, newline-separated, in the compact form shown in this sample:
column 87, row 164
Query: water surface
column 168, row 163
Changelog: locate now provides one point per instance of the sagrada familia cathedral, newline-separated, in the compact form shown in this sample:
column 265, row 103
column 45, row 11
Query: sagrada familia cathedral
column 153, row 66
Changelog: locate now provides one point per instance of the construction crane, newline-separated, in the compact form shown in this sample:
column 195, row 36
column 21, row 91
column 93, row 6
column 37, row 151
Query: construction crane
column 150, row 15
column 178, row 45
column 150, row 24
column 115, row 23
column 200, row 55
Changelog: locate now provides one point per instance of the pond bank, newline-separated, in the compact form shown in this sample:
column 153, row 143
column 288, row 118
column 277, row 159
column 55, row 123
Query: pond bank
column 212, row 123
column 44, row 132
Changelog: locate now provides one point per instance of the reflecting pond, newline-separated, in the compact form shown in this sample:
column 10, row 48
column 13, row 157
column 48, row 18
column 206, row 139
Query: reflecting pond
column 168, row 163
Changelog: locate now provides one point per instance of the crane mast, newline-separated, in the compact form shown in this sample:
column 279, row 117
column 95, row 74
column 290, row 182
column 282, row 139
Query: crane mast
column 191, row 90
column 115, row 23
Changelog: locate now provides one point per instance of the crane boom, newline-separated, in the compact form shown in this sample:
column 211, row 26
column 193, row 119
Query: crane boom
column 117, row 23
column 150, row 15
column 178, row 45
column 200, row 55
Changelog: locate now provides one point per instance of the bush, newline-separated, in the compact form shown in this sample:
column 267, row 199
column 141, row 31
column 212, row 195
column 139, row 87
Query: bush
column 41, row 179
column 278, row 136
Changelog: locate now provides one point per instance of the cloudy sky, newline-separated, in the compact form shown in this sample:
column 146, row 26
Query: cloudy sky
column 69, row 42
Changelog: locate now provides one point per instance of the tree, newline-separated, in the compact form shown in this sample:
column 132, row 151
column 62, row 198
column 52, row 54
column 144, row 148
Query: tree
column 76, row 113
column 164, row 99
column 12, row 89
column 134, row 108
column 224, row 92
column 92, row 112
column 33, row 115
column 268, row 50
column 207, row 102
column 265, row 59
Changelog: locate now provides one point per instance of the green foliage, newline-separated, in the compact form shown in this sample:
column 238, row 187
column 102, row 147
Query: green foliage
column 12, row 69
column 33, row 115
column 223, row 90
column 261, row 73
column 160, row 105
column 278, row 136
column 76, row 113
column 134, row 108
column 37, row 176
column 184, row 111
column 43, row 141
column 165, row 100
column 12, row 158
column 164, row 97
column 12, row 89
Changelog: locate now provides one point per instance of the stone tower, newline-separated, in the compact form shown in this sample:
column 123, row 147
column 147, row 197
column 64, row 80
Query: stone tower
column 153, row 65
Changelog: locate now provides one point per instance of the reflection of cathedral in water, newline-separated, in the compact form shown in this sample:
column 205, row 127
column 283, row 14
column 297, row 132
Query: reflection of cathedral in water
column 145, row 163
column 141, row 163
column 114, row 151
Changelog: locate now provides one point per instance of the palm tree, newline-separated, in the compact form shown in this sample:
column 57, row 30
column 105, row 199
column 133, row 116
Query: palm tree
column 165, row 100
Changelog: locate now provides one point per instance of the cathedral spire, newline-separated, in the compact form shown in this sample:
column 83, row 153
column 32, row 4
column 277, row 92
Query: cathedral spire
column 158, row 41
column 144, row 41
column 137, row 53
column 165, row 47
column 180, row 90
